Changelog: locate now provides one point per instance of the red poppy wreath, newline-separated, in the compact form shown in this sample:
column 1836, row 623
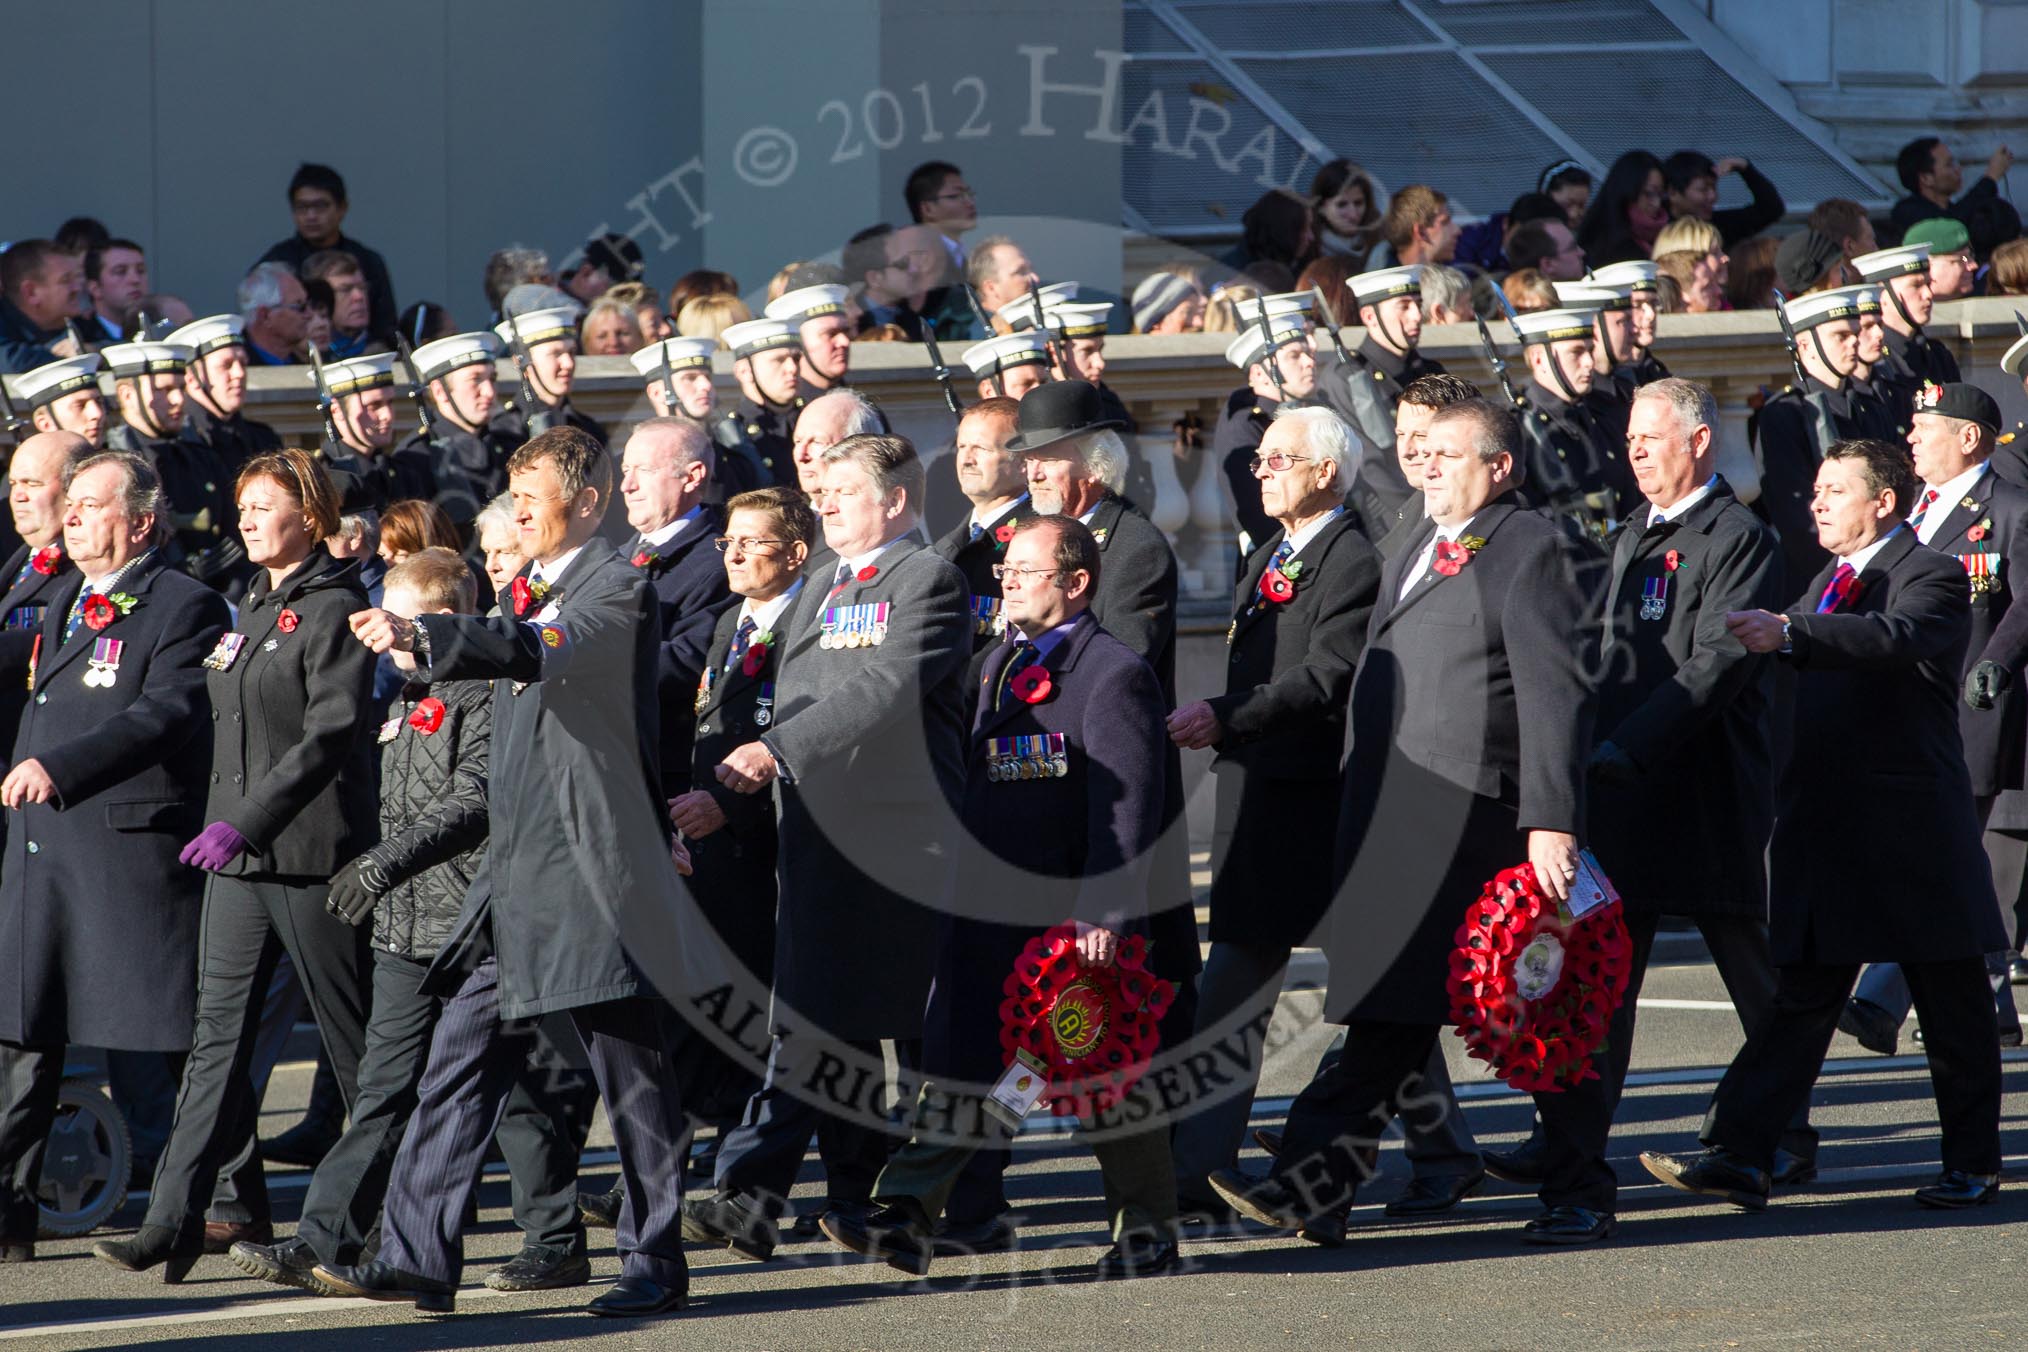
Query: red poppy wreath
column 1094, row 1027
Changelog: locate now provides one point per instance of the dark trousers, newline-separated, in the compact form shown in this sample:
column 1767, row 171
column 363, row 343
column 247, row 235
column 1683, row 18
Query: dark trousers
column 762, row 1155
column 1342, row 1113
column 474, row 1059
column 542, row 1135
column 247, row 925
column 1776, row 1069
column 29, row 1080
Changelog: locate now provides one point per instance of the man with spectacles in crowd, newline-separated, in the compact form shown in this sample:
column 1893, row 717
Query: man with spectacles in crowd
column 939, row 197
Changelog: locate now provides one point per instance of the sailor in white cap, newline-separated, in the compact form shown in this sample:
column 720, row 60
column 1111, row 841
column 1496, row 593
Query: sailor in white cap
column 63, row 396
column 1281, row 368
column 361, row 449
column 1907, row 304
column 1796, row 426
column 467, row 450
column 1574, row 468
column 823, row 330
column 1868, row 383
column 1611, row 397
column 677, row 376
column 1637, row 276
column 1011, row 364
column 766, row 355
column 1077, row 333
column 1365, row 388
column 543, row 344
column 214, row 391
column 148, row 396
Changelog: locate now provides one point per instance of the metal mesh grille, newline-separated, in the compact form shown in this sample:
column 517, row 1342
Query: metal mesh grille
column 1143, row 32
column 1274, row 26
column 1426, row 120
column 1673, row 101
column 1192, row 194
column 1569, row 21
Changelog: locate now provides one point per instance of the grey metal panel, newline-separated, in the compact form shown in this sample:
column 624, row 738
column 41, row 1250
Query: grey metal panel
column 1144, row 33
column 1276, row 25
column 1563, row 21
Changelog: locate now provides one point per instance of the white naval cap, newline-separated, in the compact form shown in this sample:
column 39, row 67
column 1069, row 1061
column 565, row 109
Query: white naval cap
column 433, row 361
column 1554, row 326
column 1019, row 313
column 1370, row 288
column 210, row 334
column 1866, row 296
column 1589, row 295
column 1884, row 263
column 761, row 335
column 47, row 384
column 2016, row 356
column 1083, row 319
column 539, row 326
column 808, row 302
column 1007, row 351
column 1821, row 307
column 1636, row 275
column 355, row 374
column 672, row 355
column 1251, row 344
column 126, row 360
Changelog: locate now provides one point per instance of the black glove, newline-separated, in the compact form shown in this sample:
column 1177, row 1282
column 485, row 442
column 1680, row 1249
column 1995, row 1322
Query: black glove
column 1985, row 683
column 354, row 890
column 1613, row 765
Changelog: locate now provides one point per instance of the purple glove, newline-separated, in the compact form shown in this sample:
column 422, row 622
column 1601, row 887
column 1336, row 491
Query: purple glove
column 216, row 846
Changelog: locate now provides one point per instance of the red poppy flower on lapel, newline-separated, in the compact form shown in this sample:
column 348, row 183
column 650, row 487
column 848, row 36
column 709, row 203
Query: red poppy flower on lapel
column 47, row 559
column 867, row 573
column 1980, row 531
column 287, row 621
column 1004, row 532
column 756, row 658
column 523, row 597
column 1277, row 587
column 1673, row 560
column 1451, row 557
column 1031, row 686
column 643, row 558
column 99, row 612
column 428, row 716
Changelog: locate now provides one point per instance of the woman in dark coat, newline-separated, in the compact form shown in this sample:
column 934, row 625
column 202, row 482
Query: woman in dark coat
column 292, row 797
column 1627, row 213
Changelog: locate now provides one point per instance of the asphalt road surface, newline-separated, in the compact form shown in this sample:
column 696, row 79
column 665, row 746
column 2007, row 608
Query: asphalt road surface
column 1848, row 1262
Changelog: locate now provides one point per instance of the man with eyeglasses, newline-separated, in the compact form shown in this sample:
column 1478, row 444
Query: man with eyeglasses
column 939, row 197
column 318, row 204
column 1281, row 369
column 1953, row 268
column 898, row 270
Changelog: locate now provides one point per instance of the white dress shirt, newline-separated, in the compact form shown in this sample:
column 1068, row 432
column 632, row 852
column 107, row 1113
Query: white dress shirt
column 1657, row 515
column 1948, row 495
column 1423, row 560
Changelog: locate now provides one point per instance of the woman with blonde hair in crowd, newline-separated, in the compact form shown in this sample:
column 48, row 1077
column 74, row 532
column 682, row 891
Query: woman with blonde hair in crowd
column 609, row 329
column 1527, row 290
column 1693, row 234
column 647, row 307
column 710, row 316
column 1221, row 312
column 2009, row 275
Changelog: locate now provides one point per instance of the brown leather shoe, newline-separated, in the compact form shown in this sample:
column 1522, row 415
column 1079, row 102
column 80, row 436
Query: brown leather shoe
column 220, row 1236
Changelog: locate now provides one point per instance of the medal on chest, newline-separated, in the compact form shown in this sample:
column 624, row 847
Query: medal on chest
column 1655, row 596
column 857, row 626
column 764, row 705
column 390, row 730
column 103, row 667
column 704, row 685
column 986, row 616
column 226, row 652
column 1982, row 571
column 1039, row 756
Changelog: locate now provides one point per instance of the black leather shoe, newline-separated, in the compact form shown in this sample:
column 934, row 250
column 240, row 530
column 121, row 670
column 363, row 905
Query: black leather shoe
column 634, row 1297
column 1138, row 1255
column 1269, row 1201
column 288, row 1263
column 601, row 1210
column 1792, row 1170
column 1873, row 1027
column 995, row 1234
column 220, row 1236
column 805, row 1226
column 1570, row 1225
column 378, row 1281
column 890, row 1234
column 1268, row 1139
column 537, row 1269
column 1326, row 1230
column 1432, row 1196
column 17, row 1253
column 1954, row 1190
column 151, row 1247
column 731, row 1220
column 304, row 1145
column 1526, row 1164
column 1713, row 1173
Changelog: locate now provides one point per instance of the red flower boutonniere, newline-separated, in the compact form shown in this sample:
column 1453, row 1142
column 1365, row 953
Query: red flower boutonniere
column 867, row 574
column 47, row 560
column 287, row 621
column 102, row 609
column 1980, row 531
column 525, row 595
column 757, row 652
column 1004, row 532
column 644, row 558
column 1031, row 686
column 1673, row 560
column 1453, row 555
column 1278, row 587
column 428, row 716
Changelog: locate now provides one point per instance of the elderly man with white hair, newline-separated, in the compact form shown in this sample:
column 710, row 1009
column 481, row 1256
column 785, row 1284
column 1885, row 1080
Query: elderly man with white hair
column 1299, row 621
column 824, row 422
column 275, row 309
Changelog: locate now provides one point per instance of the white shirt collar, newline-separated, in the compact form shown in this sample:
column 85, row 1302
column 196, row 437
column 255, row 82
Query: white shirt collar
column 1948, row 495
column 663, row 535
column 1683, row 504
column 998, row 516
column 1865, row 556
column 859, row 561
column 764, row 614
column 1315, row 528
column 553, row 570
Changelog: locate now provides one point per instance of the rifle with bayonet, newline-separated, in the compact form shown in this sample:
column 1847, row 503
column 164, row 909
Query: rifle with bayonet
column 941, row 372
column 418, row 390
column 1330, row 317
column 525, row 365
column 986, row 330
column 324, row 400
column 1823, row 427
column 1267, row 355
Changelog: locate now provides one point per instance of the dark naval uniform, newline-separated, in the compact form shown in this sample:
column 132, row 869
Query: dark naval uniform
column 469, row 469
column 232, row 441
column 1790, row 432
column 741, row 466
column 976, row 550
column 1234, row 442
column 374, row 481
column 526, row 417
column 1924, row 356
column 770, row 429
column 201, row 507
column 1574, row 467
column 1365, row 388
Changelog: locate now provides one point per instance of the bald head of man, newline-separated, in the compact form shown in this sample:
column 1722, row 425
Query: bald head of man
column 35, row 484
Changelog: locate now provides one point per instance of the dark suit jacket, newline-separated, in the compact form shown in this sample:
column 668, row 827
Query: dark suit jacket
column 688, row 577
column 1241, row 426
column 1471, row 720
column 870, row 741
column 98, row 920
column 1690, row 706
column 21, row 612
column 1288, row 672
column 1786, row 436
column 1997, row 512
column 1876, row 854
column 976, row 560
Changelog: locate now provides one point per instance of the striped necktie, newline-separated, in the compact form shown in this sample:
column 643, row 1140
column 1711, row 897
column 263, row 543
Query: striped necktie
column 1921, row 509
column 1024, row 657
column 76, row 616
column 1839, row 590
column 742, row 638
